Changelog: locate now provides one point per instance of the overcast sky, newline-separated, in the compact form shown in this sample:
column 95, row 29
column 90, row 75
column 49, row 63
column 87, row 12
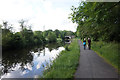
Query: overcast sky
column 53, row 14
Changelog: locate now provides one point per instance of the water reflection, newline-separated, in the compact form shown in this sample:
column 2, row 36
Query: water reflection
column 28, row 63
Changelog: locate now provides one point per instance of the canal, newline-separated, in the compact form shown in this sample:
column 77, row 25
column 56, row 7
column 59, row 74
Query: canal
column 29, row 62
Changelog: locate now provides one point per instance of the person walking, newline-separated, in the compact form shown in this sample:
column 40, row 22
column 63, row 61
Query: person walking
column 84, row 43
column 89, row 43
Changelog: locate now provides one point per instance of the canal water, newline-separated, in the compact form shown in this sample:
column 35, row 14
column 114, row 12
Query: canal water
column 29, row 63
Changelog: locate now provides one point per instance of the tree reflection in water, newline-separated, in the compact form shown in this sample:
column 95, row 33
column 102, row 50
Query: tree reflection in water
column 11, row 59
column 23, row 58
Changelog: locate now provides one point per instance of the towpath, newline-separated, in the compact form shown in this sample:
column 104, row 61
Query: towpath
column 92, row 66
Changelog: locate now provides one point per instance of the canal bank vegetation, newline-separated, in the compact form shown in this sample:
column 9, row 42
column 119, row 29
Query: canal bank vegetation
column 100, row 21
column 66, row 63
column 27, row 37
column 109, row 51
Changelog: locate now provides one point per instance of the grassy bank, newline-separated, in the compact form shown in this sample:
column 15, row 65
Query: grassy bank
column 109, row 51
column 66, row 63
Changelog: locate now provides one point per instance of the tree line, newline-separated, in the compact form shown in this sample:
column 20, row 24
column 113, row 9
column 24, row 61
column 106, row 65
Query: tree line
column 27, row 37
column 98, row 20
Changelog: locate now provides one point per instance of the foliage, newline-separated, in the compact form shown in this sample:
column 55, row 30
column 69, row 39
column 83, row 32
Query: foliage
column 17, row 41
column 39, row 38
column 66, row 63
column 66, row 47
column 51, row 37
column 26, row 37
column 99, row 20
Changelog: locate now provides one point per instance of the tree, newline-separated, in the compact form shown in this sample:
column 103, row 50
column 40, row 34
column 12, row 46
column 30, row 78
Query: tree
column 57, row 32
column 17, row 41
column 97, row 20
column 23, row 26
column 39, row 38
column 51, row 37
column 28, row 36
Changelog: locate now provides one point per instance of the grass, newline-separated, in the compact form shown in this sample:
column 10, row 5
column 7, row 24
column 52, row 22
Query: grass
column 66, row 63
column 109, row 51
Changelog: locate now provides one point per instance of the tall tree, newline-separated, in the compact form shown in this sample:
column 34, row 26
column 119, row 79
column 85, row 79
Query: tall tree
column 97, row 20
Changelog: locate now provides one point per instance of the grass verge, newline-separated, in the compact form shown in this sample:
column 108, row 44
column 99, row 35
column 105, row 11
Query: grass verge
column 66, row 63
column 109, row 51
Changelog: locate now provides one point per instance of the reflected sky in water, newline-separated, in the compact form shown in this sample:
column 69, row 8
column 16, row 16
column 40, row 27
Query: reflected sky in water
column 31, row 67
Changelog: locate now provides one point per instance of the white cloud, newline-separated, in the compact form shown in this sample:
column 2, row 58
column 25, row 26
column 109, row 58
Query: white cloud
column 39, row 13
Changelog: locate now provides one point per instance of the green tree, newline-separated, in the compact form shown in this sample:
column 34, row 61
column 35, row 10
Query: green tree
column 57, row 32
column 17, row 41
column 39, row 38
column 51, row 37
column 99, row 20
column 28, row 36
